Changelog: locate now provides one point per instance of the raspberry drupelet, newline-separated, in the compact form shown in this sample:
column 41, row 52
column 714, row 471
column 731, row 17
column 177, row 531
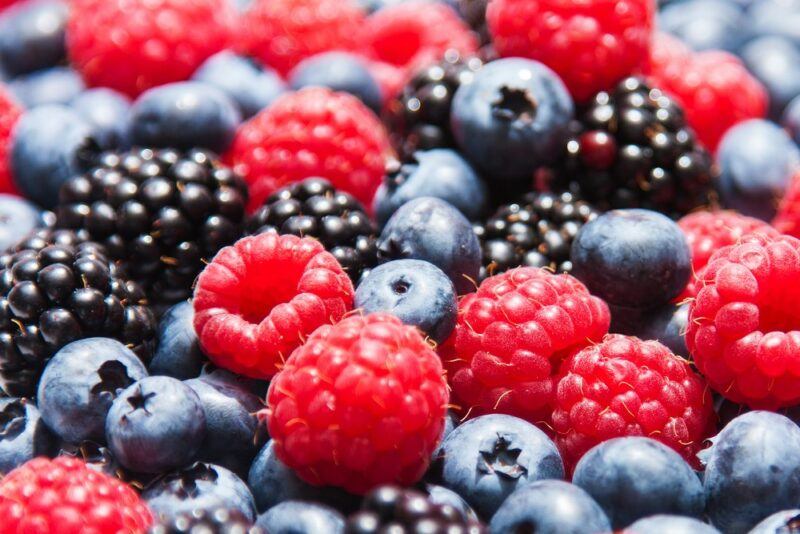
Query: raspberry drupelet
column 10, row 112
column 259, row 299
column 360, row 404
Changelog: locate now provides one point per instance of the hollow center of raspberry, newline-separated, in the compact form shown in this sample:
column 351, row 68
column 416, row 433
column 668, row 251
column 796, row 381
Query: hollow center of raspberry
column 398, row 46
column 265, row 287
column 514, row 104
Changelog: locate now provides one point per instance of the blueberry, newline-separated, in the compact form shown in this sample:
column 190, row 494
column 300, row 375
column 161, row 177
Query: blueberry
column 184, row 115
column 752, row 470
column 756, row 159
column 79, row 384
column 249, row 85
column 550, row 507
column 18, row 218
column 295, row 517
column 32, row 36
column 633, row 258
column 23, row 434
column 56, row 85
column 512, row 119
column 636, row 477
column 430, row 229
column 783, row 522
column 775, row 61
column 666, row 324
column 775, row 17
column 339, row 71
column 199, row 486
column 108, row 111
column 233, row 436
column 440, row 173
column 178, row 354
column 485, row 459
column 451, row 421
column 791, row 119
column 415, row 291
column 51, row 145
column 705, row 24
column 670, row 524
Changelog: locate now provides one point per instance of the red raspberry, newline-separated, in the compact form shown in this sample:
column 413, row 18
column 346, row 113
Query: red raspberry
column 591, row 45
column 708, row 231
column 360, row 404
column 628, row 387
column 510, row 336
column 744, row 325
column 259, row 298
column 282, row 33
column 65, row 496
column 313, row 132
column 10, row 112
column 787, row 220
column 133, row 45
column 714, row 88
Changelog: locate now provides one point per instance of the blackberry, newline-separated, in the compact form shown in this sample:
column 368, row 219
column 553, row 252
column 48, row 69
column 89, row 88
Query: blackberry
column 419, row 118
column 55, row 288
column 474, row 13
column 213, row 521
column 161, row 212
column 633, row 149
column 314, row 208
column 537, row 232
column 393, row 509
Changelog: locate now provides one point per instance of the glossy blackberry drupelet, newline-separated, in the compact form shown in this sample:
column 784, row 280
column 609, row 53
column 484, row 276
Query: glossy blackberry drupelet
column 162, row 212
column 536, row 232
column 314, row 208
column 207, row 521
column 56, row 288
column 633, row 149
column 419, row 118
column 394, row 509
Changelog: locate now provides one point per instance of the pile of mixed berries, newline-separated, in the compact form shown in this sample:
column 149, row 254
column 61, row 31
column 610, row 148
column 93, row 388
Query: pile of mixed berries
column 399, row 266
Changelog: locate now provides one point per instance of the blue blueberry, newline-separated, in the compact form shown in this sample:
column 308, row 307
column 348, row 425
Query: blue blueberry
column 550, row 507
column 432, row 230
column 51, row 145
column 296, row 517
column 636, row 477
column 18, row 218
column 199, row 486
column 791, row 119
column 233, row 437
column 670, row 524
column 633, row 258
column 415, row 291
column 249, row 85
column 339, row 71
column 451, row 421
column 774, row 17
column 109, row 112
column 80, row 383
column 56, row 85
column 756, row 159
column 32, row 36
column 666, row 324
column 512, row 119
column 705, row 24
column 485, row 459
column 752, row 470
column 779, row 523
column 440, row 173
column 775, row 61
column 23, row 434
column 184, row 115
column 155, row 425
column 178, row 354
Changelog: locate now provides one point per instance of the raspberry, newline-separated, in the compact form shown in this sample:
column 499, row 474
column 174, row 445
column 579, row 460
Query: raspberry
column 360, row 404
column 133, row 45
column 714, row 88
column 313, row 132
column 259, row 298
column 281, row 33
column 510, row 337
column 628, row 387
column 591, row 45
column 66, row 496
column 10, row 112
column 787, row 220
column 708, row 231
column 744, row 326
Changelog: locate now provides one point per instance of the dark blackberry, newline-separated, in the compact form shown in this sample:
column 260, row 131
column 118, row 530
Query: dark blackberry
column 56, row 288
column 536, row 232
column 314, row 208
column 474, row 13
column 633, row 149
column 162, row 212
column 393, row 509
column 419, row 118
column 200, row 521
